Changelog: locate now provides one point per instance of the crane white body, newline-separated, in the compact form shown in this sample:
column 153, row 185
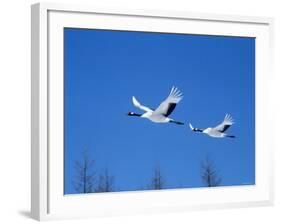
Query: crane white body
column 160, row 115
column 218, row 131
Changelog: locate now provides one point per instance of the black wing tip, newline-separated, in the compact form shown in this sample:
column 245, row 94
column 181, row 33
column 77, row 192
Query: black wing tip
column 170, row 109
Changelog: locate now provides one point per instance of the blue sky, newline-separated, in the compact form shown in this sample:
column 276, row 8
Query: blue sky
column 104, row 69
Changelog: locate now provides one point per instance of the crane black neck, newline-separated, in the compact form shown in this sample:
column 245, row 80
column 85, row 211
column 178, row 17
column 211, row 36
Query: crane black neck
column 134, row 114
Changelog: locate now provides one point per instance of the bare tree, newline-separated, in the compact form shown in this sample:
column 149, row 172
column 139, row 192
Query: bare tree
column 85, row 174
column 105, row 182
column 209, row 174
column 157, row 181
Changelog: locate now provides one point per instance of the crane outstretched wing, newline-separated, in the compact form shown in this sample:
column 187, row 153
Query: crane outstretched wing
column 227, row 122
column 169, row 104
column 138, row 105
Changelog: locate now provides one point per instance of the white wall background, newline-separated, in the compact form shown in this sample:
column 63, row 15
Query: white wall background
column 15, row 110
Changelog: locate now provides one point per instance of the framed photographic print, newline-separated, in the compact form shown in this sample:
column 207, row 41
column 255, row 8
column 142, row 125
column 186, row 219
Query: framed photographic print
column 138, row 111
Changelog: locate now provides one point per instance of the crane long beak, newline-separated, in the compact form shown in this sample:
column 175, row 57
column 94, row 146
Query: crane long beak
column 191, row 127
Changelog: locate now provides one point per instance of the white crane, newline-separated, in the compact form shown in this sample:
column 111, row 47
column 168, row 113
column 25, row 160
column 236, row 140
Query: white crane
column 160, row 115
column 218, row 131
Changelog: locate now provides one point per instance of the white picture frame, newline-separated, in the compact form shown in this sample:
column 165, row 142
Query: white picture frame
column 48, row 201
